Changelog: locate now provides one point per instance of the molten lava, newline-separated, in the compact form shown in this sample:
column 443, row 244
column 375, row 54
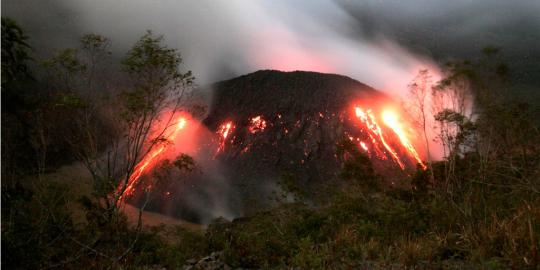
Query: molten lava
column 224, row 131
column 150, row 159
column 256, row 124
column 391, row 120
column 371, row 123
column 364, row 146
column 377, row 140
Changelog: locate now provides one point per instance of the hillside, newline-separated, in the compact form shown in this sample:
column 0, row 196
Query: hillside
column 281, row 132
column 306, row 116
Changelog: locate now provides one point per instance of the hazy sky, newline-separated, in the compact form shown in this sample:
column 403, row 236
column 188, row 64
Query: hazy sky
column 381, row 43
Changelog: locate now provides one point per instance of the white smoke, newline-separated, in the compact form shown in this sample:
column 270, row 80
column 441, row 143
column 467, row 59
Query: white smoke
column 243, row 36
column 221, row 39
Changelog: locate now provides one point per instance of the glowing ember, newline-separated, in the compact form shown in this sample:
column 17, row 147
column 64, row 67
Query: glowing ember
column 364, row 146
column 369, row 120
column 256, row 124
column 224, row 131
column 391, row 120
column 151, row 157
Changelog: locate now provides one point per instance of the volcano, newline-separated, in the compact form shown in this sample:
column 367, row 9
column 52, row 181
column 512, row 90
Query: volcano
column 268, row 124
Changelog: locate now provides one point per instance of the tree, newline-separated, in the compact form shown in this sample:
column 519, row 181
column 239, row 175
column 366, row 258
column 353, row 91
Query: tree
column 419, row 90
column 452, row 106
column 15, row 51
column 507, row 136
column 158, row 93
column 17, row 103
column 110, row 131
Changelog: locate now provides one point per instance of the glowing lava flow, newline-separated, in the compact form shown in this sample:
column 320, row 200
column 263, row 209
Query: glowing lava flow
column 367, row 118
column 364, row 146
column 391, row 120
column 256, row 124
column 151, row 157
column 223, row 132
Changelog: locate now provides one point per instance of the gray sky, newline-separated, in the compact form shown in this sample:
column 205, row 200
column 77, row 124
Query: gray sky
column 381, row 43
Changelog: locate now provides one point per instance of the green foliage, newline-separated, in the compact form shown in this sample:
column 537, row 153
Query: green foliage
column 65, row 61
column 15, row 51
column 289, row 185
column 490, row 51
column 408, row 227
column 263, row 240
column 155, row 69
column 70, row 100
column 421, row 181
column 312, row 255
column 185, row 162
column 465, row 127
column 40, row 231
column 94, row 42
column 465, row 223
column 357, row 166
column 158, row 83
column 19, row 99
column 31, row 237
column 168, row 247
column 166, row 172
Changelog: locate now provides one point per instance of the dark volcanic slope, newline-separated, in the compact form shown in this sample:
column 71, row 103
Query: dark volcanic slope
column 307, row 115
column 269, row 92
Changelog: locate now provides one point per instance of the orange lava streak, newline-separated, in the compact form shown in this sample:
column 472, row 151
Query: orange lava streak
column 367, row 118
column 224, row 131
column 141, row 167
column 391, row 120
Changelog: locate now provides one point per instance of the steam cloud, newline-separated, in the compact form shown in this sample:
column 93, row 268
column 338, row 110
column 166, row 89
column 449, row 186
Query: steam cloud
column 243, row 36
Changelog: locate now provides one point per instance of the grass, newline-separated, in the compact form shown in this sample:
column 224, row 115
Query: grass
column 463, row 224
column 391, row 228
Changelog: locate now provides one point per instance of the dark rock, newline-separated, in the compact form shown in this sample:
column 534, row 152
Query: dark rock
column 307, row 115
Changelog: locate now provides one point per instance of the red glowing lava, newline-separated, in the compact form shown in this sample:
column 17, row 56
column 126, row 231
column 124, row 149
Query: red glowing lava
column 390, row 118
column 150, row 159
column 224, row 131
column 256, row 124
column 369, row 120
column 378, row 142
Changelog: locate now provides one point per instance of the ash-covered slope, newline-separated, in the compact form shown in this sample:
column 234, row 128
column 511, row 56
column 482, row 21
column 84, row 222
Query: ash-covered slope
column 305, row 116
